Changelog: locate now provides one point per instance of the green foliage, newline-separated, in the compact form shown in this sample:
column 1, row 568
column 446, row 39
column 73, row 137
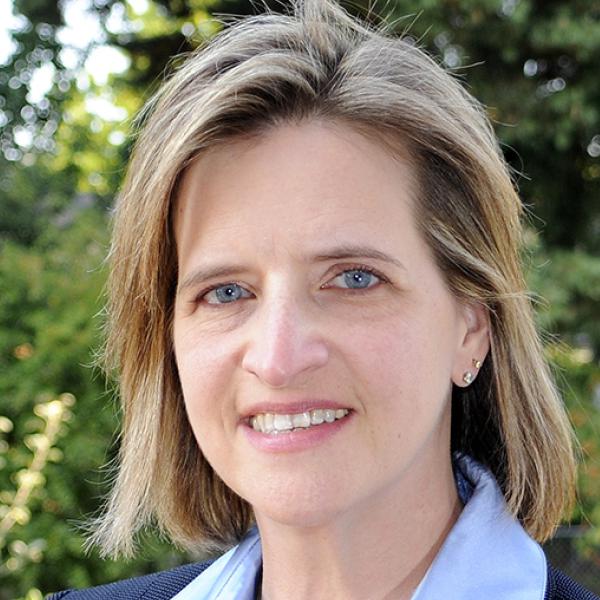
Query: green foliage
column 62, row 156
column 36, row 47
column 535, row 68
column 47, row 333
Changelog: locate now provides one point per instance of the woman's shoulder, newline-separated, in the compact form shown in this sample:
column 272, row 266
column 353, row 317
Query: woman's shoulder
column 562, row 587
column 156, row 586
column 164, row 585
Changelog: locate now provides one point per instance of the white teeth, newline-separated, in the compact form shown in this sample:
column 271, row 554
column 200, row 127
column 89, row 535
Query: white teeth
column 282, row 422
column 301, row 420
column 317, row 416
column 278, row 423
column 267, row 425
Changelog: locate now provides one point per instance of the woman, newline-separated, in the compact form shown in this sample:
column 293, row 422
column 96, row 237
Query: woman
column 326, row 351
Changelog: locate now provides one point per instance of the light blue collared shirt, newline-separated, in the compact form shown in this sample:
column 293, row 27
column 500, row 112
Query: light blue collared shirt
column 487, row 554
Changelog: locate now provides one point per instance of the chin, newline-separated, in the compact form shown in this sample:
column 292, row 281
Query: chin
column 298, row 515
column 298, row 504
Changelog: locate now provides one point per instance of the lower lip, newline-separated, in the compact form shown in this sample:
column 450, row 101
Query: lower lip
column 295, row 441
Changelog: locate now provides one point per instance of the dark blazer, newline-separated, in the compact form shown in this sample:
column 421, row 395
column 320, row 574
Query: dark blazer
column 164, row 585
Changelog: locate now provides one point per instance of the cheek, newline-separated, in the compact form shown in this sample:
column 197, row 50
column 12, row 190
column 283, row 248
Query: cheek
column 401, row 352
column 205, row 371
column 403, row 370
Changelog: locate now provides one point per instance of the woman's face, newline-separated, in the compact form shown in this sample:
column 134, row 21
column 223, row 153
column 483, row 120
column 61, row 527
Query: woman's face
column 306, row 295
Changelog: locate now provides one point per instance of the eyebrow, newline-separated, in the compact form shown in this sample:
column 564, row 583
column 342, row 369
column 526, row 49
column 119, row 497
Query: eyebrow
column 356, row 251
column 345, row 251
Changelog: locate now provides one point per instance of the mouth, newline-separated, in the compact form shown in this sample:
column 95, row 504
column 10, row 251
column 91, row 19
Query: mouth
column 277, row 423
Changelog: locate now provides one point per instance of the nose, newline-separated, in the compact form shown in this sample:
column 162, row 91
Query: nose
column 284, row 343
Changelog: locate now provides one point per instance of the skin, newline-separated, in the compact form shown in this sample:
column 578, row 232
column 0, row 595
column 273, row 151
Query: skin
column 361, row 513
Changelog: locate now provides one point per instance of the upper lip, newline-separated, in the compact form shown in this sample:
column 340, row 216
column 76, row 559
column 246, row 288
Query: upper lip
column 290, row 407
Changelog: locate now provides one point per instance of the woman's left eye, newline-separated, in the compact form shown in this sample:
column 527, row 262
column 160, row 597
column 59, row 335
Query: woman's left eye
column 355, row 279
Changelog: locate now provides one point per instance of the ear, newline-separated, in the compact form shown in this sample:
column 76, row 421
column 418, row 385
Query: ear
column 474, row 343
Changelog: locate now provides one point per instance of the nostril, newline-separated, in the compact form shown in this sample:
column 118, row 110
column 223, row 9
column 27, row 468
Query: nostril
column 278, row 366
column 282, row 343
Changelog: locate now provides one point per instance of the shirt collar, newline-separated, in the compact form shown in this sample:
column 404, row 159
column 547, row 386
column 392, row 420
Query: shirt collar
column 487, row 554
column 230, row 577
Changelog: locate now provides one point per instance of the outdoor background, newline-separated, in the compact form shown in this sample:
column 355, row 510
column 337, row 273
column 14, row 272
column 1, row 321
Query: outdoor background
column 72, row 75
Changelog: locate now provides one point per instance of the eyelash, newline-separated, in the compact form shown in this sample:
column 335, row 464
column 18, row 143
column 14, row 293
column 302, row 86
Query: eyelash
column 382, row 279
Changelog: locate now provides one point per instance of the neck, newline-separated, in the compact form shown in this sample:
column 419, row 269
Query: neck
column 380, row 549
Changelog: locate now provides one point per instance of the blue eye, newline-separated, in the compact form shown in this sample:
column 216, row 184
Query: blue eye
column 350, row 279
column 357, row 279
column 225, row 294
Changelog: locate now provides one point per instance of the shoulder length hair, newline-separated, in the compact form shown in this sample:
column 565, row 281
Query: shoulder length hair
column 319, row 63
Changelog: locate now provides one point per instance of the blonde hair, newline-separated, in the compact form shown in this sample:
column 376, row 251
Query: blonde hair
column 319, row 63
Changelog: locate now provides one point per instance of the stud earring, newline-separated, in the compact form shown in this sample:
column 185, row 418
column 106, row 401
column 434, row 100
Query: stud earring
column 468, row 377
column 476, row 363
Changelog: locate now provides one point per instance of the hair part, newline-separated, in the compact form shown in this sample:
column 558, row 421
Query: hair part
column 319, row 63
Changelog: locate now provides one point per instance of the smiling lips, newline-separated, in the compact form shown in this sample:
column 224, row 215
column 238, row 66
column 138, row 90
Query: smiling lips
column 275, row 423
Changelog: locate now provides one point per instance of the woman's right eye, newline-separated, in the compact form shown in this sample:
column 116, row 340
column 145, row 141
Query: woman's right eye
column 225, row 294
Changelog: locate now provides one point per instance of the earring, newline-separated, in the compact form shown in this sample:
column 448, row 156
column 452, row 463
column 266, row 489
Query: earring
column 468, row 377
column 476, row 363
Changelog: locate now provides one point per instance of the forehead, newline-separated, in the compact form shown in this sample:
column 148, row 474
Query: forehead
column 294, row 183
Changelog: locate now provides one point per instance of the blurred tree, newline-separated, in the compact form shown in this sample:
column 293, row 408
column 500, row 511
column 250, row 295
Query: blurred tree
column 64, row 140
column 51, row 290
column 27, row 121
column 536, row 69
